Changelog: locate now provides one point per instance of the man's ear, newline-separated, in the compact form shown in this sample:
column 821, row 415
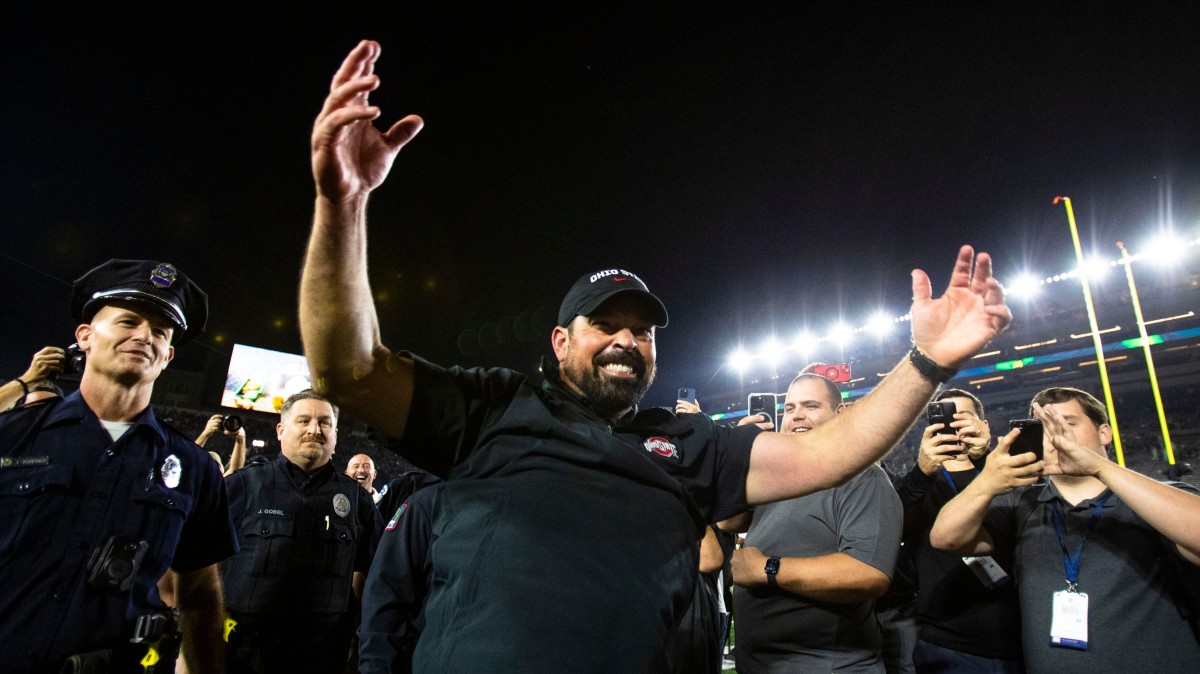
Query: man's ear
column 279, row 431
column 560, row 339
column 1105, row 434
column 83, row 336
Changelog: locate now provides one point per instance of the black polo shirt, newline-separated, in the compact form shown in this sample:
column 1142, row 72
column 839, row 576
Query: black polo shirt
column 561, row 541
column 65, row 488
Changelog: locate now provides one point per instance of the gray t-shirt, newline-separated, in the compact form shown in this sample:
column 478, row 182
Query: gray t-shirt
column 780, row 631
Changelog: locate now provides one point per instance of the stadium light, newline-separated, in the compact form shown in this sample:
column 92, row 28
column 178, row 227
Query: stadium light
column 841, row 334
column 739, row 360
column 772, row 351
column 880, row 324
column 1164, row 250
column 1096, row 268
column 804, row 342
column 1025, row 286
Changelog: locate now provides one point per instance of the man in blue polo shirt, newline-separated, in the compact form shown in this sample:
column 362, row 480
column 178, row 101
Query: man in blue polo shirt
column 567, row 530
column 98, row 498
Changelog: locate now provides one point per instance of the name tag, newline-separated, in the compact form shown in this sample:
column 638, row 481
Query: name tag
column 24, row 461
column 987, row 571
column 1068, row 626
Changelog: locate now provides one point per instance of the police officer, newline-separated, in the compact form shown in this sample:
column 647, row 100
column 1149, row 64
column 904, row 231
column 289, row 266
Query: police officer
column 98, row 498
column 308, row 533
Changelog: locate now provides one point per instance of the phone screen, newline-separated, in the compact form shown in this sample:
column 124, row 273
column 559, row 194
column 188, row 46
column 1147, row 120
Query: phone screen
column 1030, row 439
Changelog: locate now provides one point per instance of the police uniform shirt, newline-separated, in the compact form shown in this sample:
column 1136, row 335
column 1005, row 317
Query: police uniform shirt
column 561, row 541
column 297, row 531
column 65, row 488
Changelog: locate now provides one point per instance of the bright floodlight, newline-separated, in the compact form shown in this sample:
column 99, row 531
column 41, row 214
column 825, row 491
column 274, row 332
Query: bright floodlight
column 772, row 351
column 880, row 324
column 841, row 334
column 804, row 343
column 1163, row 250
column 739, row 360
column 1096, row 268
column 1026, row 285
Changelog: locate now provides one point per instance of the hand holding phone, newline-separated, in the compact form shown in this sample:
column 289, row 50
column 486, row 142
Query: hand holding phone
column 764, row 404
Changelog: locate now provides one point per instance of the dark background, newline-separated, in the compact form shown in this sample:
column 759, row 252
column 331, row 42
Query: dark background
column 760, row 168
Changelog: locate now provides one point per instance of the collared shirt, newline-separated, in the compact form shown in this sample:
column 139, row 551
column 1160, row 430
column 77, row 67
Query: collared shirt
column 1124, row 570
column 562, row 540
column 65, row 488
column 303, row 535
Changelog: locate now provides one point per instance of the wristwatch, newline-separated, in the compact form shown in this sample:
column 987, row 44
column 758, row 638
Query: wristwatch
column 772, row 568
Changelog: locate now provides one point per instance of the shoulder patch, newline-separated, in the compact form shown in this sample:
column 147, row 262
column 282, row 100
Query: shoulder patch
column 396, row 518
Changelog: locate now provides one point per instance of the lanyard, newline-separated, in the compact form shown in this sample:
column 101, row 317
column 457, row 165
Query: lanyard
column 950, row 480
column 1071, row 562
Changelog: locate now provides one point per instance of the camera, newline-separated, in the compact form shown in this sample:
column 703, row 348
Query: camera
column 941, row 412
column 231, row 423
column 114, row 566
column 75, row 360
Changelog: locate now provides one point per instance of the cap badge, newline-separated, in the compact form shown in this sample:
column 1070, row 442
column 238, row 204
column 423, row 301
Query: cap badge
column 341, row 505
column 163, row 275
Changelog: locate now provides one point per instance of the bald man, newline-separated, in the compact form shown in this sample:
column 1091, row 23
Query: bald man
column 362, row 470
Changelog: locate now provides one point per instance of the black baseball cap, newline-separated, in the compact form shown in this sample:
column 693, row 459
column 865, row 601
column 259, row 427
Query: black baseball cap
column 157, row 285
column 591, row 290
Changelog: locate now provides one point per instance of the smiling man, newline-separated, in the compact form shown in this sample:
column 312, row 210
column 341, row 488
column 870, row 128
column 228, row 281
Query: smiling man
column 361, row 469
column 568, row 527
column 812, row 567
column 308, row 534
column 98, row 498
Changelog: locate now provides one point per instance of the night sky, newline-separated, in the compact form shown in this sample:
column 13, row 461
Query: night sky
column 761, row 170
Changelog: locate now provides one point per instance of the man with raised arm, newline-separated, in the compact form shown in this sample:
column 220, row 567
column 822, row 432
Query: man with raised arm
column 567, row 528
column 1103, row 555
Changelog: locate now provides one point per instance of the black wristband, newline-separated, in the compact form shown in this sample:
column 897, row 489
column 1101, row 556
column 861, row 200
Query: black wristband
column 24, row 386
column 929, row 369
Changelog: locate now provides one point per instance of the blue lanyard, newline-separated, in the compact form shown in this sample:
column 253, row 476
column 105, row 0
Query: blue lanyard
column 950, row 480
column 1071, row 562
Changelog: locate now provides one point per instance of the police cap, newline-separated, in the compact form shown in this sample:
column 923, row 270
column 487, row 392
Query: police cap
column 156, row 285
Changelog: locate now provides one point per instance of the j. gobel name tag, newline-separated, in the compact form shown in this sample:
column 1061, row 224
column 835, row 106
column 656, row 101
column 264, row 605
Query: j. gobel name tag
column 1068, row 626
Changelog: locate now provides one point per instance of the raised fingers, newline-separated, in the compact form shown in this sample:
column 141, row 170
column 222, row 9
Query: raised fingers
column 359, row 62
column 961, row 277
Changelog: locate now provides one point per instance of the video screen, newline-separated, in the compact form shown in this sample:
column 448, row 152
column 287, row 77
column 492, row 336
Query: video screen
column 261, row 379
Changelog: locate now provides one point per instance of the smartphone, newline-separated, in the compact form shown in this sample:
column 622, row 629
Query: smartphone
column 687, row 394
column 941, row 412
column 1030, row 439
column 763, row 403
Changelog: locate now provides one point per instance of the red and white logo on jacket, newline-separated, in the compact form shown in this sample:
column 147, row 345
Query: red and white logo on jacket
column 661, row 447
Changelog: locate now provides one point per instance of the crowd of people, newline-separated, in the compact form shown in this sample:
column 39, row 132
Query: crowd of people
column 561, row 527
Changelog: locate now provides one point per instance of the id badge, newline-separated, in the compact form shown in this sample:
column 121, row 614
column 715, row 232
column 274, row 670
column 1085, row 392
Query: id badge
column 1068, row 626
column 987, row 571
